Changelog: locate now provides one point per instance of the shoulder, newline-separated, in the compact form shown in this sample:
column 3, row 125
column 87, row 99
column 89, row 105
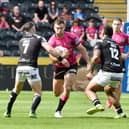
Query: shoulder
column 52, row 37
column 40, row 38
column 52, row 40
column 125, row 35
column 70, row 35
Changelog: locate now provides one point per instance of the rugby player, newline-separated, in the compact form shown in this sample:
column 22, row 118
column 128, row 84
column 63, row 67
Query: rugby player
column 122, row 40
column 29, row 47
column 108, row 77
column 64, row 77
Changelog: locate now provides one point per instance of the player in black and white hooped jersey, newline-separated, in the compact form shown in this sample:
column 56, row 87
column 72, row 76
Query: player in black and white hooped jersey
column 29, row 47
column 110, row 74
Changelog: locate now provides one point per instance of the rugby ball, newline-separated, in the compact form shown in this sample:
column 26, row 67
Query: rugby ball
column 60, row 49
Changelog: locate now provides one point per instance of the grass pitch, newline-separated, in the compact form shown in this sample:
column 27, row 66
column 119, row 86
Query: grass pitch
column 74, row 113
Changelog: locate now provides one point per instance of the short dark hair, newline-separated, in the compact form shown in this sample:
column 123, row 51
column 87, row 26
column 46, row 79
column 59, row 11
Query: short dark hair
column 117, row 19
column 27, row 26
column 77, row 20
column 59, row 21
column 108, row 31
column 40, row 0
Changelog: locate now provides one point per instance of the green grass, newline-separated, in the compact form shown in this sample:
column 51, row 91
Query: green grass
column 74, row 113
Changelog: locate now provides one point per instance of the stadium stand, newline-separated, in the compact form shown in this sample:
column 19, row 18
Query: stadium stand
column 110, row 9
column 9, row 38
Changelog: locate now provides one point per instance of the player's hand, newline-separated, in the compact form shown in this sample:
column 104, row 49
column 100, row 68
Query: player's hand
column 65, row 62
column 65, row 53
column 127, row 54
column 89, row 76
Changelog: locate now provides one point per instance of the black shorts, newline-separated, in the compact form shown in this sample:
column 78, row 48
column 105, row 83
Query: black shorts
column 59, row 72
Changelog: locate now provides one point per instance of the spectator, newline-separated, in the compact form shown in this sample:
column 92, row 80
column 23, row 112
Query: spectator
column 53, row 11
column 3, row 10
column 41, row 13
column 16, row 19
column 91, row 32
column 101, row 28
column 3, row 22
column 65, row 14
column 78, row 29
column 78, row 14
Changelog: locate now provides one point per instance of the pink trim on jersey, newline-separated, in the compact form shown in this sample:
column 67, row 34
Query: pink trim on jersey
column 121, row 39
column 69, row 41
column 77, row 30
column 91, row 32
column 64, row 98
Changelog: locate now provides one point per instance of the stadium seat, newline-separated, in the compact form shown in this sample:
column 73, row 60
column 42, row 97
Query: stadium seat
column 3, row 45
column 15, row 53
column 90, row 1
column 43, row 53
column 7, row 53
column 10, row 34
column 18, row 35
column 13, row 45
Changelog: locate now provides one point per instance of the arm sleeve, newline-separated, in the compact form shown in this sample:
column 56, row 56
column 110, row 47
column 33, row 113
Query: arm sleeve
column 75, row 40
column 51, row 42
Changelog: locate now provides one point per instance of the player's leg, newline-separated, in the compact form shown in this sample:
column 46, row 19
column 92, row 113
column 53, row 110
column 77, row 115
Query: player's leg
column 34, row 81
column 69, row 79
column 17, row 88
column 113, row 98
column 118, row 94
column 58, row 86
column 19, row 81
column 90, row 91
column 37, row 90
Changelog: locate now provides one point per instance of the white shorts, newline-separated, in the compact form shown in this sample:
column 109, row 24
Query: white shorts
column 27, row 72
column 108, row 78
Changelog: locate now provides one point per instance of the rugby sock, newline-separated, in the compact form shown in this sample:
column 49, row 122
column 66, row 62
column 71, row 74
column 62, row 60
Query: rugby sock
column 119, row 110
column 96, row 102
column 62, row 102
column 12, row 99
column 36, row 102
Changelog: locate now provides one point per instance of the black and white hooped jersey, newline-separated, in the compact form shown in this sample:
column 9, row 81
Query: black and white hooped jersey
column 110, row 55
column 29, row 47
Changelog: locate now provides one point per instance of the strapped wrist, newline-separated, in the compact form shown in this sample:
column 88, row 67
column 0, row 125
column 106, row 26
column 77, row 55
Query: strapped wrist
column 60, row 58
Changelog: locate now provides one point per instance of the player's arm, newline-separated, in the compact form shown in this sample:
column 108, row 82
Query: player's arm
column 57, row 60
column 50, row 49
column 124, row 55
column 88, row 36
column 95, row 58
column 53, row 52
column 83, row 52
column 53, row 59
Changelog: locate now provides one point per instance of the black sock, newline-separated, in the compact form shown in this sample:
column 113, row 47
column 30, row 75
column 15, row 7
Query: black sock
column 96, row 102
column 119, row 110
column 36, row 102
column 61, row 105
column 12, row 99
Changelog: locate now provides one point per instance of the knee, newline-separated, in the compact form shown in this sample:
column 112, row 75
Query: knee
column 107, row 90
column 69, row 78
column 56, row 94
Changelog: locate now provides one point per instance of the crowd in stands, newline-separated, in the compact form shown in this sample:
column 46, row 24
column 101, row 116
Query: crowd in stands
column 80, row 16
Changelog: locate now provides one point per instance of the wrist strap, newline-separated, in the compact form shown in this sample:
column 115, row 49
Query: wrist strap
column 60, row 58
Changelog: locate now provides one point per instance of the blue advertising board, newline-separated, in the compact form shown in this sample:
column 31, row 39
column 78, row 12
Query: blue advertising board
column 125, row 84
